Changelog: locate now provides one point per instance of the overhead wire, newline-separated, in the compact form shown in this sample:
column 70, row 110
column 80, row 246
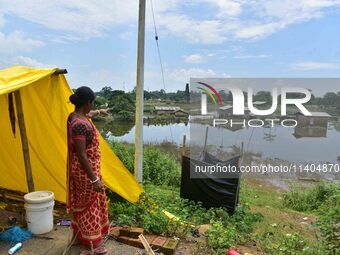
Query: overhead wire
column 159, row 56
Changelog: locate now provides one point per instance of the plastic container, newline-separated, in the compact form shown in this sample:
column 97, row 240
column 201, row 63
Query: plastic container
column 39, row 211
column 232, row 252
column 15, row 248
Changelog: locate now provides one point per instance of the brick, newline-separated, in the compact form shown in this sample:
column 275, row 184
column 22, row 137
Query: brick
column 125, row 231
column 114, row 232
column 158, row 242
column 150, row 238
column 169, row 248
column 136, row 243
column 124, row 239
column 135, row 232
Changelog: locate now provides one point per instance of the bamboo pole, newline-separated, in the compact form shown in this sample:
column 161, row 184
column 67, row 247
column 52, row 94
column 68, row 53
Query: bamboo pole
column 60, row 71
column 242, row 154
column 24, row 141
column 138, row 166
column 184, row 145
column 206, row 138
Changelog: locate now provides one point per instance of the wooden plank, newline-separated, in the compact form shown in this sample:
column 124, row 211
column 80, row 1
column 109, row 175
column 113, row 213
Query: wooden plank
column 24, row 141
column 146, row 245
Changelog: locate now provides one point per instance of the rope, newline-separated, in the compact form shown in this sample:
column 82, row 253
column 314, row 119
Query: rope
column 159, row 57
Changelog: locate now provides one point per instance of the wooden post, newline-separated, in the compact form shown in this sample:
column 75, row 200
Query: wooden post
column 138, row 166
column 24, row 141
column 242, row 152
column 60, row 71
column 184, row 145
column 206, row 138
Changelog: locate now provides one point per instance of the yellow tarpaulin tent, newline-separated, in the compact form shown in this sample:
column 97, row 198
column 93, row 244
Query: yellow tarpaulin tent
column 45, row 103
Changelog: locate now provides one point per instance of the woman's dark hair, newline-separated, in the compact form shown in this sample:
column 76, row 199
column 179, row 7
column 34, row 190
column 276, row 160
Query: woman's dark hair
column 81, row 96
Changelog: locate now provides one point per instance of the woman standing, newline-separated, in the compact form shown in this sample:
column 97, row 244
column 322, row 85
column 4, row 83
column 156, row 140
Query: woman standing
column 86, row 199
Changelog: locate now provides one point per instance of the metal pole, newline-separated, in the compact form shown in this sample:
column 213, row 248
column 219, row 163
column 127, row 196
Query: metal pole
column 140, row 94
column 24, row 141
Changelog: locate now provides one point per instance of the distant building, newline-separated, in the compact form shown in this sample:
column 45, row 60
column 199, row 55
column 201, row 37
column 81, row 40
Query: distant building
column 311, row 126
column 180, row 113
column 256, row 103
column 227, row 110
column 173, row 110
column 317, row 119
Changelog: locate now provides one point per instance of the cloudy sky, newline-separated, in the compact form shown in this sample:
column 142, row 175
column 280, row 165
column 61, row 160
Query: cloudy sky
column 96, row 41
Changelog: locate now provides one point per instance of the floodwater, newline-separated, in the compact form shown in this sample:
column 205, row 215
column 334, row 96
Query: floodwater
column 290, row 144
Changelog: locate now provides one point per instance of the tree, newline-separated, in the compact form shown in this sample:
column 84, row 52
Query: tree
column 187, row 93
column 105, row 92
column 330, row 98
column 263, row 96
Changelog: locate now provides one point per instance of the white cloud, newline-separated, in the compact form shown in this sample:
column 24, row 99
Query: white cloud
column 194, row 31
column 126, row 35
column 183, row 75
column 193, row 58
column 82, row 19
column 27, row 61
column 234, row 19
column 252, row 56
column 2, row 20
column 305, row 66
column 274, row 15
column 226, row 8
column 16, row 42
column 23, row 61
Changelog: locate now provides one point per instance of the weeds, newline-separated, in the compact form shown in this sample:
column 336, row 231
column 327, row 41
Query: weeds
column 309, row 199
column 159, row 168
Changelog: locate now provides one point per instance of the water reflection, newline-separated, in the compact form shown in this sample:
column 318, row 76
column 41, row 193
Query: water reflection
column 300, row 144
column 311, row 126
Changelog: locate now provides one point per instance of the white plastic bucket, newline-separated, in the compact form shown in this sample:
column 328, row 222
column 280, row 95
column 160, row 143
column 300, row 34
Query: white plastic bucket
column 39, row 211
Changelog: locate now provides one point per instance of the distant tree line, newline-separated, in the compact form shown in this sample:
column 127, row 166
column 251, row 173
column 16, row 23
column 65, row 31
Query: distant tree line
column 122, row 103
column 329, row 99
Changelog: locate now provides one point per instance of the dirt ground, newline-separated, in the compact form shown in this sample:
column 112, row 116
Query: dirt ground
column 55, row 246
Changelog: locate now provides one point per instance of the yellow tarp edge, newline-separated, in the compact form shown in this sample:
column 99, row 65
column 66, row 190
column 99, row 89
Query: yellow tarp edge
column 46, row 108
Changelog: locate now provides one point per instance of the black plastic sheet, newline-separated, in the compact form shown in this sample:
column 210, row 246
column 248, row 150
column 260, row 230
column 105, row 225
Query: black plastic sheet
column 211, row 191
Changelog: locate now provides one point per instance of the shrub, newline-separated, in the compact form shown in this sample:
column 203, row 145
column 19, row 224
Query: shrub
column 329, row 224
column 288, row 244
column 158, row 168
column 309, row 199
column 155, row 222
column 230, row 230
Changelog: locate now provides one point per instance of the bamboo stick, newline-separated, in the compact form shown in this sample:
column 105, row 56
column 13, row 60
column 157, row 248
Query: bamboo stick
column 184, row 145
column 146, row 245
column 60, row 71
column 24, row 141
column 206, row 139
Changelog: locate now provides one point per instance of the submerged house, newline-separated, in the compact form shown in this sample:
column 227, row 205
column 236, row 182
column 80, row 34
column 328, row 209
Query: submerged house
column 317, row 119
column 311, row 126
column 180, row 113
column 227, row 111
column 171, row 110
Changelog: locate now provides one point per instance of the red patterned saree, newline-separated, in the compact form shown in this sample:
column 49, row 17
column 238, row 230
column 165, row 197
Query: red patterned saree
column 88, row 208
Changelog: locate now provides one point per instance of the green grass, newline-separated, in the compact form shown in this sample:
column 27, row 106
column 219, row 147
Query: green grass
column 281, row 230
